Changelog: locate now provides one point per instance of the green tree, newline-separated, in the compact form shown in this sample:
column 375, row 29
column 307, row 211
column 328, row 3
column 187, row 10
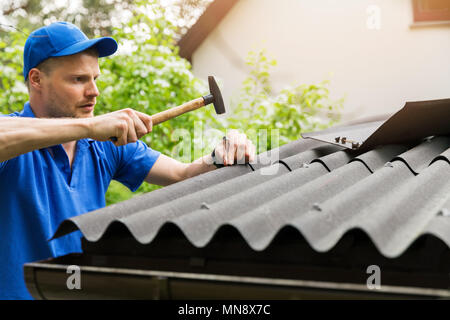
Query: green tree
column 94, row 17
column 186, row 13
column 13, row 92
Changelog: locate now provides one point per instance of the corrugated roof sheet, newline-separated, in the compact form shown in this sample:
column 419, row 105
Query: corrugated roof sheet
column 394, row 193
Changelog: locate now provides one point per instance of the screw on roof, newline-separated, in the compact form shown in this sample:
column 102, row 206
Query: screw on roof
column 344, row 140
column 389, row 164
column 204, row 205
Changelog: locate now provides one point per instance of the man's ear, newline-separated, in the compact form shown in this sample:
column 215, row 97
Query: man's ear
column 35, row 78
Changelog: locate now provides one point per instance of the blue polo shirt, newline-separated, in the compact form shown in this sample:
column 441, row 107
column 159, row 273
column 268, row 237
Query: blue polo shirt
column 38, row 190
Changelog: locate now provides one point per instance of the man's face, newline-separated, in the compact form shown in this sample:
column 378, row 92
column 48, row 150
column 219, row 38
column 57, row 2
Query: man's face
column 69, row 90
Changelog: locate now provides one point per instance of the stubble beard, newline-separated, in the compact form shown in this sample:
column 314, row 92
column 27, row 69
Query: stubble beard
column 57, row 109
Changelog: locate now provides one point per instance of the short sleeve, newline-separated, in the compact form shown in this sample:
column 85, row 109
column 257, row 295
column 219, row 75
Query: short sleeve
column 134, row 161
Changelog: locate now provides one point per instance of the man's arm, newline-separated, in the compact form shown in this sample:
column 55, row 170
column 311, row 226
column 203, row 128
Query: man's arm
column 21, row 135
column 167, row 170
column 237, row 148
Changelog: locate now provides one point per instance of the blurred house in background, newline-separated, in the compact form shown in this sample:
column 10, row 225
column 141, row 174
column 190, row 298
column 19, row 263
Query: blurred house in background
column 377, row 53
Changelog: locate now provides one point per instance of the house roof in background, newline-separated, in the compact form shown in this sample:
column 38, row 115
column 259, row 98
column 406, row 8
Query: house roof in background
column 395, row 194
column 212, row 16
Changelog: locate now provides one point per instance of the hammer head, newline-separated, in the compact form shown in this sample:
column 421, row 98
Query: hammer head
column 217, row 96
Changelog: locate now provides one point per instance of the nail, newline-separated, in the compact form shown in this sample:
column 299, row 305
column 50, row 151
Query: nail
column 204, row 205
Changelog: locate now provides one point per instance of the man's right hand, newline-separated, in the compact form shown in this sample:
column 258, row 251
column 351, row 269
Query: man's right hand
column 126, row 125
column 19, row 135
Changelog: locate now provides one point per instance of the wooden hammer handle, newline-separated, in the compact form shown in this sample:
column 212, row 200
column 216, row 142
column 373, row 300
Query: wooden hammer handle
column 176, row 111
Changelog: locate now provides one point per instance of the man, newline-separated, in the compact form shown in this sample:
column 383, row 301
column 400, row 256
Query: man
column 56, row 160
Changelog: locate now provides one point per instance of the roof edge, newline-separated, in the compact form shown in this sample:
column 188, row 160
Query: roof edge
column 195, row 36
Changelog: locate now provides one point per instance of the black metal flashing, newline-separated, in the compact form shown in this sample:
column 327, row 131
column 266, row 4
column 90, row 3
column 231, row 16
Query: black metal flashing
column 415, row 121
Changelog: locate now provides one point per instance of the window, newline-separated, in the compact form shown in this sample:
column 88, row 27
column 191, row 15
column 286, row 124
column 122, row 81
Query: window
column 431, row 10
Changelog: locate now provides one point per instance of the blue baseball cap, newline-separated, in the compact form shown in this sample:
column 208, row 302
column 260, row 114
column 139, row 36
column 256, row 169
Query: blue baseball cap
column 61, row 39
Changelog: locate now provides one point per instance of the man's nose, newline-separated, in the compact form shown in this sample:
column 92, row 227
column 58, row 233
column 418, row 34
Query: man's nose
column 91, row 90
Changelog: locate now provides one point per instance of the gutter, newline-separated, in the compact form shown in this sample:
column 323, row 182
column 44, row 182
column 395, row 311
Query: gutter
column 48, row 281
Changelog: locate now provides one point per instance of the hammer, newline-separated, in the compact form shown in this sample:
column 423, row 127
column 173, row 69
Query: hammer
column 214, row 97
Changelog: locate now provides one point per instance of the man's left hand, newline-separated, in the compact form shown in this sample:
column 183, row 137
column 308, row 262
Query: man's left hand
column 235, row 148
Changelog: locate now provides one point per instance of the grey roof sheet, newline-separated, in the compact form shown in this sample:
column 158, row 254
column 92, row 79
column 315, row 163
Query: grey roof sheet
column 394, row 193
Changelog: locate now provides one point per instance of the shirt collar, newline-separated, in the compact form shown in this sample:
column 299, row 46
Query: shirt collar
column 27, row 111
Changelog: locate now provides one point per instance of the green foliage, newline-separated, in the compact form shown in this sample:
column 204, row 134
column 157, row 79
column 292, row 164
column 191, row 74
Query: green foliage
column 117, row 192
column 94, row 17
column 13, row 92
column 150, row 77
column 297, row 109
